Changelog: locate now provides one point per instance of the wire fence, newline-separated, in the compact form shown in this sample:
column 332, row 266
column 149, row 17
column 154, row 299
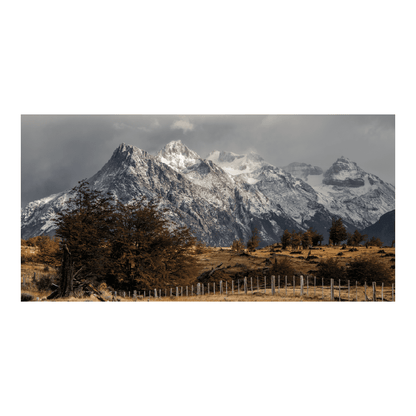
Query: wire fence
column 308, row 288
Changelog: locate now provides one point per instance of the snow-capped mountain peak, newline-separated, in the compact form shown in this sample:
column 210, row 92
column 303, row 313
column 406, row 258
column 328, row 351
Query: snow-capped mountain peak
column 344, row 173
column 235, row 164
column 302, row 170
column 176, row 155
column 223, row 196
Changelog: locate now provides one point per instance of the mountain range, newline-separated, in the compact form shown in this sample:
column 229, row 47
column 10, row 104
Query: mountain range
column 225, row 195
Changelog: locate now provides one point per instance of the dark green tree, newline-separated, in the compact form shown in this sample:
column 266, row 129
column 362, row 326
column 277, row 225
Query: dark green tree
column 83, row 227
column 375, row 241
column 317, row 238
column 306, row 239
column 295, row 239
column 254, row 240
column 285, row 239
column 337, row 232
column 358, row 238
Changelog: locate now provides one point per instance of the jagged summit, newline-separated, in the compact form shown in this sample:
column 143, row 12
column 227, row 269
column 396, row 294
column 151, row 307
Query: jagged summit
column 223, row 196
column 344, row 173
column 178, row 156
column 236, row 164
column 125, row 151
column 302, row 170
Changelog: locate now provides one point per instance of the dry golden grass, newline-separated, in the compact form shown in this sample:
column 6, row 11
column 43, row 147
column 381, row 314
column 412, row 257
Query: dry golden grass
column 233, row 263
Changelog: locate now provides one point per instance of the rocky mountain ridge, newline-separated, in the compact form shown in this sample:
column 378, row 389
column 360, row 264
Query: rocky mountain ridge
column 225, row 195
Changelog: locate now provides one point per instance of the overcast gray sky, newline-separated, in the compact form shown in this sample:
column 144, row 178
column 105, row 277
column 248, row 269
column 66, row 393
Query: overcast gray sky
column 57, row 151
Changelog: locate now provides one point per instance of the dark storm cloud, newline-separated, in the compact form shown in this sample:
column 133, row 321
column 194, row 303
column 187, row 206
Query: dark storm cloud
column 57, row 151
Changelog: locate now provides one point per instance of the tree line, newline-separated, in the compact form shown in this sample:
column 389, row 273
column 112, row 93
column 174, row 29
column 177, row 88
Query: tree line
column 311, row 237
column 127, row 246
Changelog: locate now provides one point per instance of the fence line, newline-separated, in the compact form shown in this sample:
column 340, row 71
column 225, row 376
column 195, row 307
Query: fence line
column 344, row 288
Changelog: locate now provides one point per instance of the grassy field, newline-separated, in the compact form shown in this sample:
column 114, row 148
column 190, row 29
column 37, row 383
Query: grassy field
column 235, row 266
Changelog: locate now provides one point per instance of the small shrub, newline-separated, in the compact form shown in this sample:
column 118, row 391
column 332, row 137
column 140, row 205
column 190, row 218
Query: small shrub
column 340, row 253
column 330, row 269
column 43, row 284
column 283, row 267
column 370, row 269
column 26, row 297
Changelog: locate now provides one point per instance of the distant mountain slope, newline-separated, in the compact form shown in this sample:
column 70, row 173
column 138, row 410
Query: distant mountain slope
column 347, row 191
column 302, row 170
column 223, row 197
column 384, row 228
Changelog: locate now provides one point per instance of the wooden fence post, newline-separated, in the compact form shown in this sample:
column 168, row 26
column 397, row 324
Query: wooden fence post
column 198, row 289
column 382, row 295
column 226, row 288
column 238, row 286
column 232, row 287
column 170, row 291
column 273, row 285
column 220, row 287
column 187, row 294
column 265, row 284
column 285, row 285
column 294, row 284
column 251, row 282
column 245, row 285
column 165, row 292
column 278, row 284
column 192, row 293
column 124, row 295
column 155, row 293
column 314, row 285
column 208, row 288
column 301, row 285
column 332, row 289
column 339, row 290
column 258, row 287
column 365, row 291
column 177, row 291
column 307, row 285
column 214, row 287
column 202, row 289
column 374, row 292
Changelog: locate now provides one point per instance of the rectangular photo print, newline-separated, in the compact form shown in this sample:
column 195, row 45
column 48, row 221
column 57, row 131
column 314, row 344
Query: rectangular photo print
column 208, row 208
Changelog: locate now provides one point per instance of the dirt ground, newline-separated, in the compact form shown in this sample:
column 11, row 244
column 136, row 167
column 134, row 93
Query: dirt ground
column 235, row 266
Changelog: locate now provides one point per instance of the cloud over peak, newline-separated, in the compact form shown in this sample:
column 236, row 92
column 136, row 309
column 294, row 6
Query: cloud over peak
column 182, row 125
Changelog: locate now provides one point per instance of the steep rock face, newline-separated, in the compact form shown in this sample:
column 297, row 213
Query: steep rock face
column 224, row 196
column 344, row 173
column 349, row 192
column 384, row 228
column 302, row 170
column 197, row 193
